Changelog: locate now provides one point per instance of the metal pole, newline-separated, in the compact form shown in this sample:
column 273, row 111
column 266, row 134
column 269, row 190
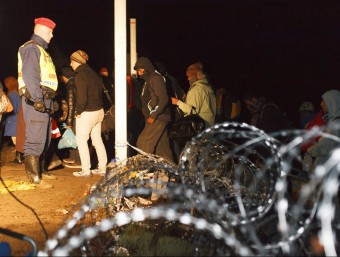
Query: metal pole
column 120, row 80
column 133, row 46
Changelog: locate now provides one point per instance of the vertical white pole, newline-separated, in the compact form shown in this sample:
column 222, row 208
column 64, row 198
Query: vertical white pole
column 120, row 80
column 133, row 46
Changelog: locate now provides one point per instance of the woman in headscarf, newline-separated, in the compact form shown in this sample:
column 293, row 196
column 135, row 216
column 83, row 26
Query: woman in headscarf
column 330, row 104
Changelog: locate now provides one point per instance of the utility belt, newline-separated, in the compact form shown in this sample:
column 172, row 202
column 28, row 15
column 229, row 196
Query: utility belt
column 47, row 92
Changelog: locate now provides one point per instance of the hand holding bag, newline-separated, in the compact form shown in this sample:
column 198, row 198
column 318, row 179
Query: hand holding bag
column 184, row 129
column 68, row 140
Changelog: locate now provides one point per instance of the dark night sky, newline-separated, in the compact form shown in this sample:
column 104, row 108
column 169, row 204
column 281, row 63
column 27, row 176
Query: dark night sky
column 286, row 49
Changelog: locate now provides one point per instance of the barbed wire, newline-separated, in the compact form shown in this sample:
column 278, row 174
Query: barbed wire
column 234, row 184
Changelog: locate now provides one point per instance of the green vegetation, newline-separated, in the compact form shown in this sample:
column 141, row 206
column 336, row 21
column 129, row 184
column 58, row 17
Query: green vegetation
column 143, row 241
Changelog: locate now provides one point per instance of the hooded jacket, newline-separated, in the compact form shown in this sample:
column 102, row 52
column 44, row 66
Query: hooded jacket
column 322, row 149
column 154, row 96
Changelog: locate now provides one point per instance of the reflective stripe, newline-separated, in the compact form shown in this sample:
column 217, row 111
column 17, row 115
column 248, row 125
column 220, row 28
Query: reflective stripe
column 55, row 131
column 48, row 74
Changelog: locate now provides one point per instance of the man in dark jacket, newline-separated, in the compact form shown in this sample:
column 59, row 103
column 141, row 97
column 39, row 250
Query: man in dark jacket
column 89, row 114
column 155, row 106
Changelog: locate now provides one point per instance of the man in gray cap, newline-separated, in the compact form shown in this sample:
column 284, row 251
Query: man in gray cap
column 89, row 114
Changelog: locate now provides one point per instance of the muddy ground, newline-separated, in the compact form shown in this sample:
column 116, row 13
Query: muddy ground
column 22, row 211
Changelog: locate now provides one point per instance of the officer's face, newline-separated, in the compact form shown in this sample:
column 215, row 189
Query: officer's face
column 47, row 34
column 44, row 32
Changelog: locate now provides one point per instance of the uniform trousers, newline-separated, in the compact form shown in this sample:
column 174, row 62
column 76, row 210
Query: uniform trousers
column 38, row 129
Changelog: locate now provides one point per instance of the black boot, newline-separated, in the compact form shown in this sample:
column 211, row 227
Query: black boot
column 19, row 158
column 32, row 168
column 44, row 169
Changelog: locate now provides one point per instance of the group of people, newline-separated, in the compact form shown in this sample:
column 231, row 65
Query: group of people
column 82, row 107
column 37, row 87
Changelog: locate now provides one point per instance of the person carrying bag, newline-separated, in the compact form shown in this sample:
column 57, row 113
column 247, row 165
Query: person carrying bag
column 199, row 105
column 186, row 128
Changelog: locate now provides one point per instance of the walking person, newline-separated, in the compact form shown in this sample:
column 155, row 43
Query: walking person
column 68, row 106
column 322, row 149
column 37, row 84
column 155, row 106
column 89, row 114
column 154, row 138
column 200, row 98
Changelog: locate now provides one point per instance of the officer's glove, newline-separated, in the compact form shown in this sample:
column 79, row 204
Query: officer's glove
column 39, row 106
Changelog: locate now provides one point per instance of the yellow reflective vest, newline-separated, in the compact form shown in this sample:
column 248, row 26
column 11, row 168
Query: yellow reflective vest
column 48, row 76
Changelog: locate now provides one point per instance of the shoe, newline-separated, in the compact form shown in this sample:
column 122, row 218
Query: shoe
column 82, row 173
column 98, row 172
column 54, row 164
column 74, row 165
column 44, row 185
column 19, row 158
column 47, row 175
column 69, row 160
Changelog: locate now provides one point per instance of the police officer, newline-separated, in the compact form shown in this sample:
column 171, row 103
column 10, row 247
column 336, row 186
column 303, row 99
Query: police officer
column 37, row 84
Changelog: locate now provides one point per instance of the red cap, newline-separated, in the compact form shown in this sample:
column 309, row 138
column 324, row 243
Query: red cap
column 46, row 22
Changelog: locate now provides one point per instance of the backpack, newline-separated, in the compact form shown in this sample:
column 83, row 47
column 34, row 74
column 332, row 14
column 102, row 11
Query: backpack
column 108, row 124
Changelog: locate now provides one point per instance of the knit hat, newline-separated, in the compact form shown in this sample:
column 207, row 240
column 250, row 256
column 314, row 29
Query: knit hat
column 79, row 56
column 194, row 68
column 46, row 22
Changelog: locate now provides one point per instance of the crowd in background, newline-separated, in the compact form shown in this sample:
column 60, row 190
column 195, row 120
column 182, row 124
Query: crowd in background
column 155, row 102
column 251, row 108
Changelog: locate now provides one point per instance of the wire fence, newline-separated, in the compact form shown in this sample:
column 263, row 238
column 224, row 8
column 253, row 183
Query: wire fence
column 236, row 191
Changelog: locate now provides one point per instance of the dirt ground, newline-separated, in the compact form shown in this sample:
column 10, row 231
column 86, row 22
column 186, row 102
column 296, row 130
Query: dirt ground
column 52, row 206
